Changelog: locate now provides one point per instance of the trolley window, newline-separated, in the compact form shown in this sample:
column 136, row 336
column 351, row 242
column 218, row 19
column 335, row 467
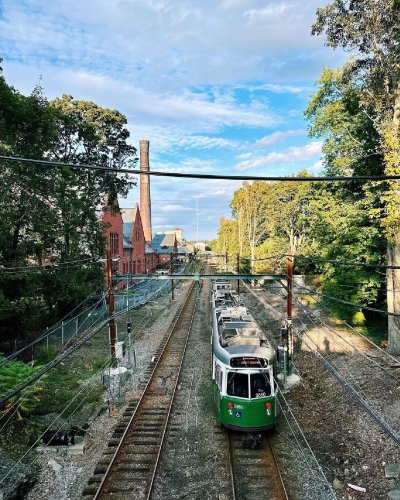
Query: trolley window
column 238, row 385
column 260, row 385
column 218, row 376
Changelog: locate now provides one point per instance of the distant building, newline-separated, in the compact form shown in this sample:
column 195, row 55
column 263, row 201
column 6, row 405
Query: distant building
column 166, row 246
column 200, row 246
column 111, row 216
column 178, row 233
column 139, row 256
column 129, row 234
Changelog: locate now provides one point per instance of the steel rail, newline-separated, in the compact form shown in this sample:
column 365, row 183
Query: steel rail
column 171, row 403
column 231, row 473
column 268, row 480
column 142, row 397
column 278, row 470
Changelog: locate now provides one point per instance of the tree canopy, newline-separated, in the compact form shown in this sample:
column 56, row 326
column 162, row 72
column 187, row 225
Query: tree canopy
column 50, row 215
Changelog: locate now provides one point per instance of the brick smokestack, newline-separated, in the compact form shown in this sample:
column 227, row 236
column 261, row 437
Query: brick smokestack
column 145, row 199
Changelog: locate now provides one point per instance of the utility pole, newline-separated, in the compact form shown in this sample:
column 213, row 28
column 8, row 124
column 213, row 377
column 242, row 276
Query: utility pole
column 289, row 310
column 172, row 281
column 238, row 271
column 111, row 323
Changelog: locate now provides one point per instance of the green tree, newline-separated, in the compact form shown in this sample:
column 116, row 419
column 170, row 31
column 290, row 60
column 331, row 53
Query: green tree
column 370, row 30
column 248, row 208
column 49, row 215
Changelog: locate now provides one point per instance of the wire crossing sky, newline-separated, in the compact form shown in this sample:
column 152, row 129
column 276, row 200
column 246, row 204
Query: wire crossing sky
column 218, row 87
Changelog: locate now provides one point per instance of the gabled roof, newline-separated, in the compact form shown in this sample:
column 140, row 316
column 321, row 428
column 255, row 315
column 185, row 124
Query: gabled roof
column 128, row 214
column 148, row 248
column 127, row 228
column 163, row 243
column 126, row 242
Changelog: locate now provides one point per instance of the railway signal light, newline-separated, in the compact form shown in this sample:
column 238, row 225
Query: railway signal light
column 128, row 327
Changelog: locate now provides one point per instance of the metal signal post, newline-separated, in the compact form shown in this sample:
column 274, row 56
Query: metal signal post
column 237, row 271
column 111, row 323
column 289, row 310
column 171, row 271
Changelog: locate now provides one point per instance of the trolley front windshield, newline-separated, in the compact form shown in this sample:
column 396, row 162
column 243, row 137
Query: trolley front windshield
column 241, row 385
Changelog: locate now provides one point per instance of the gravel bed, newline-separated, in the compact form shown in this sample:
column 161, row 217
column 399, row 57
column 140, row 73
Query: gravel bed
column 347, row 443
column 64, row 476
column 348, row 448
column 194, row 457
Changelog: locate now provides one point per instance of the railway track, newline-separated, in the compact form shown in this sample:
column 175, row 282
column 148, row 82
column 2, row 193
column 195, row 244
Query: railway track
column 128, row 467
column 255, row 473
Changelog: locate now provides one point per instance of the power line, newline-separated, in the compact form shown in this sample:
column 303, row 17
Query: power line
column 44, row 268
column 360, row 178
column 54, row 328
column 353, row 392
column 336, row 333
column 346, row 263
column 346, row 302
column 54, row 264
column 88, row 393
column 304, row 438
column 63, row 355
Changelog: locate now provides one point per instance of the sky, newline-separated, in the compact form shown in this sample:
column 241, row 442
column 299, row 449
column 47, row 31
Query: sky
column 216, row 86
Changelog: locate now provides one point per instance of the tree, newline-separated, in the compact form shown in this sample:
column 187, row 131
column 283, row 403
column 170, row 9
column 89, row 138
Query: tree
column 48, row 215
column 248, row 207
column 370, row 30
column 227, row 241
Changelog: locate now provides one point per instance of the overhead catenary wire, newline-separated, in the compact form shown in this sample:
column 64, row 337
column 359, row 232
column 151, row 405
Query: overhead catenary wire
column 341, row 337
column 48, row 163
column 355, row 395
column 17, row 404
column 53, row 328
column 12, row 410
column 46, row 266
column 281, row 395
column 347, row 302
column 6, row 397
column 383, row 351
column 346, row 263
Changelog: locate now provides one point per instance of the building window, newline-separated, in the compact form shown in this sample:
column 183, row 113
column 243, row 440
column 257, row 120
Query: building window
column 114, row 244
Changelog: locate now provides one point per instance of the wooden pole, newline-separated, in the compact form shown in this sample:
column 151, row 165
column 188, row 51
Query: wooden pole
column 290, row 262
column 238, row 271
column 111, row 323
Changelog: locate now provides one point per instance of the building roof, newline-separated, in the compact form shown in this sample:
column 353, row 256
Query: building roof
column 128, row 215
column 127, row 229
column 126, row 242
column 148, row 248
column 163, row 243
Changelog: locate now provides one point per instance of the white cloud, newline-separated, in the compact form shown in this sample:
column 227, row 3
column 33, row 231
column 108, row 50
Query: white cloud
column 175, row 208
column 317, row 166
column 277, row 137
column 286, row 156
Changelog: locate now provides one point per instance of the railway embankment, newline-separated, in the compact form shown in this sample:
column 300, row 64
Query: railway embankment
column 351, row 449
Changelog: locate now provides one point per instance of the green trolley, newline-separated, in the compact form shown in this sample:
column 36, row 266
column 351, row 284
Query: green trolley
column 243, row 365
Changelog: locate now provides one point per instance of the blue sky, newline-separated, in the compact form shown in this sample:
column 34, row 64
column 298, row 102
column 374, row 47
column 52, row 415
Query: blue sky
column 217, row 86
